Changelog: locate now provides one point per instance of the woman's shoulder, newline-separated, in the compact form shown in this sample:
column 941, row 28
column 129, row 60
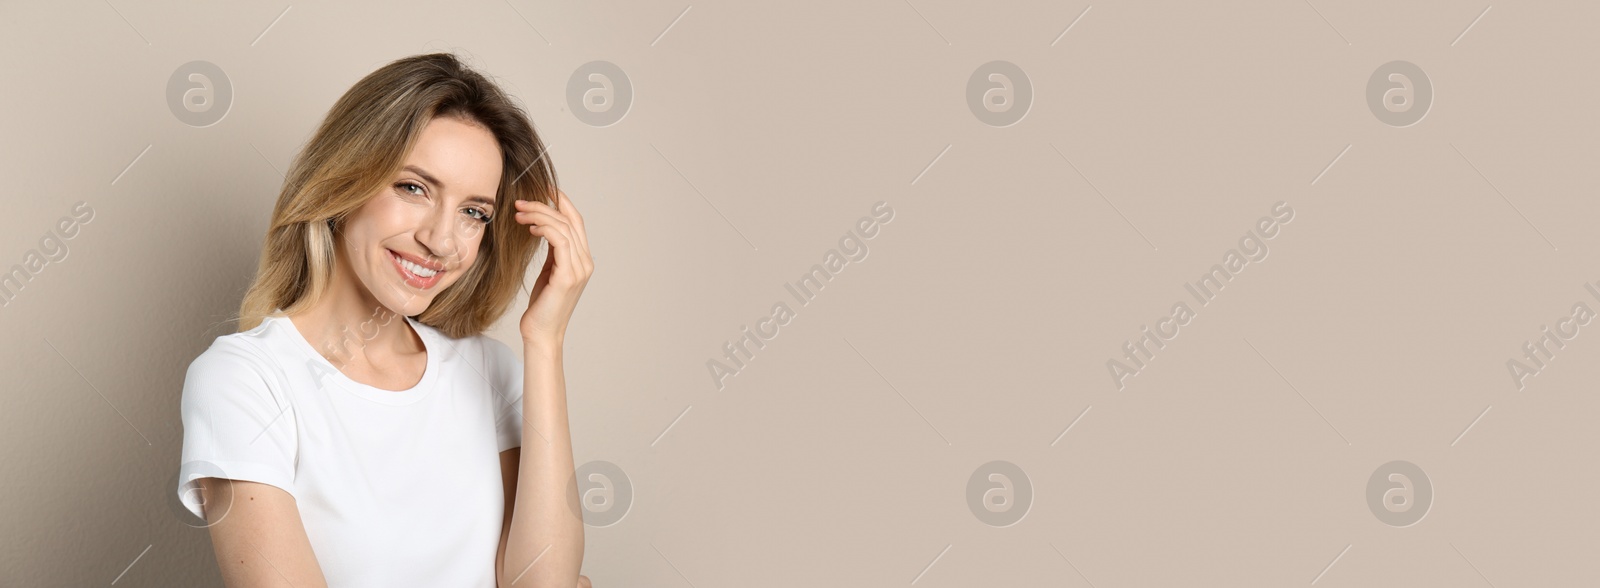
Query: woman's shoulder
column 486, row 355
column 473, row 347
column 497, row 352
column 248, row 366
column 257, row 349
column 492, row 346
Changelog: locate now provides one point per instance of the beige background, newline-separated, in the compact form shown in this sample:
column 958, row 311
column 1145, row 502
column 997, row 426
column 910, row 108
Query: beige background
column 979, row 327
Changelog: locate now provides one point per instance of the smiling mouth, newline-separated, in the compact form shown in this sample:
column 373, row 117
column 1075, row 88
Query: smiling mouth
column 414, row 275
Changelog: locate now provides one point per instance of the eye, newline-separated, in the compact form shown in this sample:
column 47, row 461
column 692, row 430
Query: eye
column 482, row 215
column 403, row 185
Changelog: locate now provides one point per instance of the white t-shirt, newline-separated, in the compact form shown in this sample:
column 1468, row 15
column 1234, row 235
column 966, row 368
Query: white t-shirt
column 395, row 488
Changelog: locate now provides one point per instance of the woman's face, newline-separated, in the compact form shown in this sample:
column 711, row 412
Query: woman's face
column 421, row 232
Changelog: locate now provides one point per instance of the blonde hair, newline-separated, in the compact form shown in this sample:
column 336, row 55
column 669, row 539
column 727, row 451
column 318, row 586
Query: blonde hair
column 359, row 148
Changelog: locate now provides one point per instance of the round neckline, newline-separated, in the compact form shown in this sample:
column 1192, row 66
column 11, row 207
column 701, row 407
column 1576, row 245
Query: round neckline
column 367, row 391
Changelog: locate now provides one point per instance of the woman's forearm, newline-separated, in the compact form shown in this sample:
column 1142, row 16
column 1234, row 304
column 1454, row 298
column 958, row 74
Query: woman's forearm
column 544, row 546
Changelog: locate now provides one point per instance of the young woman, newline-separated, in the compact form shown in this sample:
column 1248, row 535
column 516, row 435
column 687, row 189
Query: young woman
column 359, row 429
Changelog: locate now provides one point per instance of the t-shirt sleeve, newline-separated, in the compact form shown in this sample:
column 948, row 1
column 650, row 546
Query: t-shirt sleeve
column 506, row 367
column 235, row 424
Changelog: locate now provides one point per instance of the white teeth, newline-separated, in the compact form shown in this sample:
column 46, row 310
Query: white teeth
column 420, row 271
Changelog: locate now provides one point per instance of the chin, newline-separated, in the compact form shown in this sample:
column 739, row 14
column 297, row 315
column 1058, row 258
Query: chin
column 410, row 301
column 412, row 307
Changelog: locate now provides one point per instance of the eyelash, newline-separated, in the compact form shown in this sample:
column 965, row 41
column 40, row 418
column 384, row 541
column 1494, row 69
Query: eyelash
column 482, row 219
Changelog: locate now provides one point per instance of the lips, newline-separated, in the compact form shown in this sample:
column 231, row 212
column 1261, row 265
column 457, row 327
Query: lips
column 400, row 261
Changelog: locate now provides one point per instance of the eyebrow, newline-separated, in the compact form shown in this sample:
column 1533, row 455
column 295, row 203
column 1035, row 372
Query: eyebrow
column 435, row 181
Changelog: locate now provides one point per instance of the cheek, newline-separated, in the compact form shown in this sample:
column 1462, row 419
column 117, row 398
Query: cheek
column 388, row 214
column 471, row 258
column 383, row 215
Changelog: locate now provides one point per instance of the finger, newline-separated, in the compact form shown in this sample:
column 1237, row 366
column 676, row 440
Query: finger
column 540, row 217
column 551, row 212
column 580, row 251
column 553, row 235
column 542, row 279
column 562, row 212
column 563, row 208
column 576, row 218
column 553, row 204
column 575, row 258
column 561, row 245
column 559, row 232
column 577, row 254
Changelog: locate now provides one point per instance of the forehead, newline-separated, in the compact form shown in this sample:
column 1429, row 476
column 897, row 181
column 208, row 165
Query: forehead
column 463, row 157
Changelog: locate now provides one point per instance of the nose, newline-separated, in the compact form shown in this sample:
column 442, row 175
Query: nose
column 440, row 233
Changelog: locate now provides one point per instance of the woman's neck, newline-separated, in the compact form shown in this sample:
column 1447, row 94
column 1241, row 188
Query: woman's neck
column 348, row 325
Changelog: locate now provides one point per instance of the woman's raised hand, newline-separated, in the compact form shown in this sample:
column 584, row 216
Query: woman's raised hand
column 567, row 267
